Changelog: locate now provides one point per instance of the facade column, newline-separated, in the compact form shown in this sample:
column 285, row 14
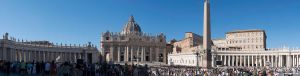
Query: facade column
column 19, row 55
column 119, row 54
column 252, row 62
column 111, row 53
column 260, row 60
column 229, row 60
column 126, row 57
column 238, row 60
column 248, row 60
column 12, row 55
column 225, row 60
column 263, row 60
column 150, row 56
column 244, row 57
column 221, row 58
column 213, row 60
column 233, row 61
column 157, row 54
column 143, row 54
column 131, row 53
column 256, row 60
column 137, row 54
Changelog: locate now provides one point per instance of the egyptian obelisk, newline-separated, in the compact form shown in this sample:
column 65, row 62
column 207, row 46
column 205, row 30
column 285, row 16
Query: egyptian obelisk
column 206, row 61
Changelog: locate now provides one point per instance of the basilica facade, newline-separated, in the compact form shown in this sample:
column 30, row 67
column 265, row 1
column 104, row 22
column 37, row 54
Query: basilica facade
column 132, row 45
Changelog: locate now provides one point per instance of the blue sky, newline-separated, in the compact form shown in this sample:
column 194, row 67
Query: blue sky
column 79, row 21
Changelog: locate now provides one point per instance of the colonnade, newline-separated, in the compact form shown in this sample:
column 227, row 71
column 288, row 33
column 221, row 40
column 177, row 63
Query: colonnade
column 259, row 60
column 45, row 56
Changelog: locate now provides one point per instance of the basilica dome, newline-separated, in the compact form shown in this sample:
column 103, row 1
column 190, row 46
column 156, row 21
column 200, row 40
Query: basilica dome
column 131, row 27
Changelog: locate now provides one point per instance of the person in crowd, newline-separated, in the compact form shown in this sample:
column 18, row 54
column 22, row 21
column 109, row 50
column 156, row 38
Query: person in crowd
column 29, row 68
column 53, row 69
column 34, row 68
column 47, row 68
column 23, row 68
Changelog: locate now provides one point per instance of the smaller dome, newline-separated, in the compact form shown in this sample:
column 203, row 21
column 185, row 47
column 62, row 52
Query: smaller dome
column 131, row 27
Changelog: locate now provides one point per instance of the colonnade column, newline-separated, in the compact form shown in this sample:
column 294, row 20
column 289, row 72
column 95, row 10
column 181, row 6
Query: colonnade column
column 70, row 55
column 293, row 60
column 75, row 57
column 280, row 60
column 276, row 61
column 268, row 60
column 298, row 62
column 272, row 60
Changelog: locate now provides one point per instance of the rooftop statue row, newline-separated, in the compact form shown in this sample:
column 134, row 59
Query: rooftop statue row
column 44, row 43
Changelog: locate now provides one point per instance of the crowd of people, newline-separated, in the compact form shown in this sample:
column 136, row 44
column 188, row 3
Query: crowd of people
column 70, row 69
column 108, row 69
column 226, row 71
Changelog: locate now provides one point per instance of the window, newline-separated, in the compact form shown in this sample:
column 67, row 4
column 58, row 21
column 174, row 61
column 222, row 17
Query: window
column 107, row 38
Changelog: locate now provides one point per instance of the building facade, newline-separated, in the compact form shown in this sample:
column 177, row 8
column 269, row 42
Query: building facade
column 239, row 48
column 12, row 49
column 237, row 57
column 247, row 40
column 132, row 45
column 190, row 40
